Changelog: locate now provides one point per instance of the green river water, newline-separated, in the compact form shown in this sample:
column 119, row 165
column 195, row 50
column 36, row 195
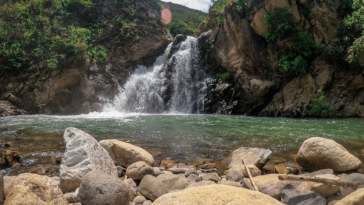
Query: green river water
column 181, row 137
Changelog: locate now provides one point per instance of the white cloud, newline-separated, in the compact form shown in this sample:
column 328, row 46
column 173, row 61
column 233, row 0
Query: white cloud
column 202, row 5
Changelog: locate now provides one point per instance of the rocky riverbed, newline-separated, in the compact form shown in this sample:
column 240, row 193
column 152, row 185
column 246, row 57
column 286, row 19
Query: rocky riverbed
column 115, row 172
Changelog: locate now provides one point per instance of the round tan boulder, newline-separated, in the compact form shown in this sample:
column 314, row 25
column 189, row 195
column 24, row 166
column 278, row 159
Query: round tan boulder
column 138, row 170
column 216, row 195
column 34, row 189
column 319, row 153
column 125, row 154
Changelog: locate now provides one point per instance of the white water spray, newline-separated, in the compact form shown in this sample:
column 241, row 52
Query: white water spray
column 169, row 86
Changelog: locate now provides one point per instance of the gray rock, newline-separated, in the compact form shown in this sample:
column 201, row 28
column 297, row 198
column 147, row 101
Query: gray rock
column 352, row 178
column 157, row 171
column 194, row 177
column 121, row 171
column 275, row 189
column 320, row 172
column 230, row 183
column 211, row 176
column 234, row 176
column 190, row 171
column 99, row 188
column 138, row 170
column 176, row 170
column 139, row 200
column 295, row 197
column 83, row 154
column 247, row 184
column 154, row 187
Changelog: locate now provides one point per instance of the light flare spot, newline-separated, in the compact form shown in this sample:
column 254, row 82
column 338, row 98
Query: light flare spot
column 166, row 16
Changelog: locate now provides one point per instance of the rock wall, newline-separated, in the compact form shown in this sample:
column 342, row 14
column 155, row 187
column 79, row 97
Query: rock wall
column 84, row 87
column 260, row 86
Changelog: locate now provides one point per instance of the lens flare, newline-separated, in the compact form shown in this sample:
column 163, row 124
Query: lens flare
column 166, row 16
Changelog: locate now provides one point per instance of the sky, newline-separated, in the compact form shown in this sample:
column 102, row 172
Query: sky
column 202, row 5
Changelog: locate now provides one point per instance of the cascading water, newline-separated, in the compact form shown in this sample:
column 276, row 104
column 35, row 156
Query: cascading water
column 171, row 85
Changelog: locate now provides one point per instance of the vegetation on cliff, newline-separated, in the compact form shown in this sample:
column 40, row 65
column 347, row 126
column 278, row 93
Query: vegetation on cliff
column 184, row 20
column 56, row 33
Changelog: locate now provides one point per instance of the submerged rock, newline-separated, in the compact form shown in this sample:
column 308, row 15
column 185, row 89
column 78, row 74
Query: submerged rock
column 35, row 189
column 99, row 188
column 320, row 153
column 83, row 154
column 125, row 154
column 216, row 195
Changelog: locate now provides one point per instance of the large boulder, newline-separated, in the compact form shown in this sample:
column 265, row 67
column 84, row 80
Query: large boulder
column 252, row 156
column 320, row 153
column 154, row 187
column 99, row 188
column 83, row 154
column 216, row 195
column 355, row 198
column 125, row 154
column 34, row 189
column 138, row 170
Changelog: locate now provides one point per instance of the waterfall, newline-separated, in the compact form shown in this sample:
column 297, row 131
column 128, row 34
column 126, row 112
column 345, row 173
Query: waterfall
column 171, row 85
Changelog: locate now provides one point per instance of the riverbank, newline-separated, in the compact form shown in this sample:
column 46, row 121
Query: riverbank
column 88, row 165
column 183, row 138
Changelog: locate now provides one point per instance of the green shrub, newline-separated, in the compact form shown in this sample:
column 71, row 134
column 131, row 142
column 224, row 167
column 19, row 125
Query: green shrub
column 302, row 53
column 220, row 19
column 280, row 25
column 219, row 5
column 56, row 33
column 223, row 76
column 355, row 22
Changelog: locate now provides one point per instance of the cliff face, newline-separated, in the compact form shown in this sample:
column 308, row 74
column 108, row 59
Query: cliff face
column 85, row 86
column 260, row 85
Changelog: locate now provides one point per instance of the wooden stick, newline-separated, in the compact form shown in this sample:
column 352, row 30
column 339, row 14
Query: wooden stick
column 250, row 176
column 344, row 184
